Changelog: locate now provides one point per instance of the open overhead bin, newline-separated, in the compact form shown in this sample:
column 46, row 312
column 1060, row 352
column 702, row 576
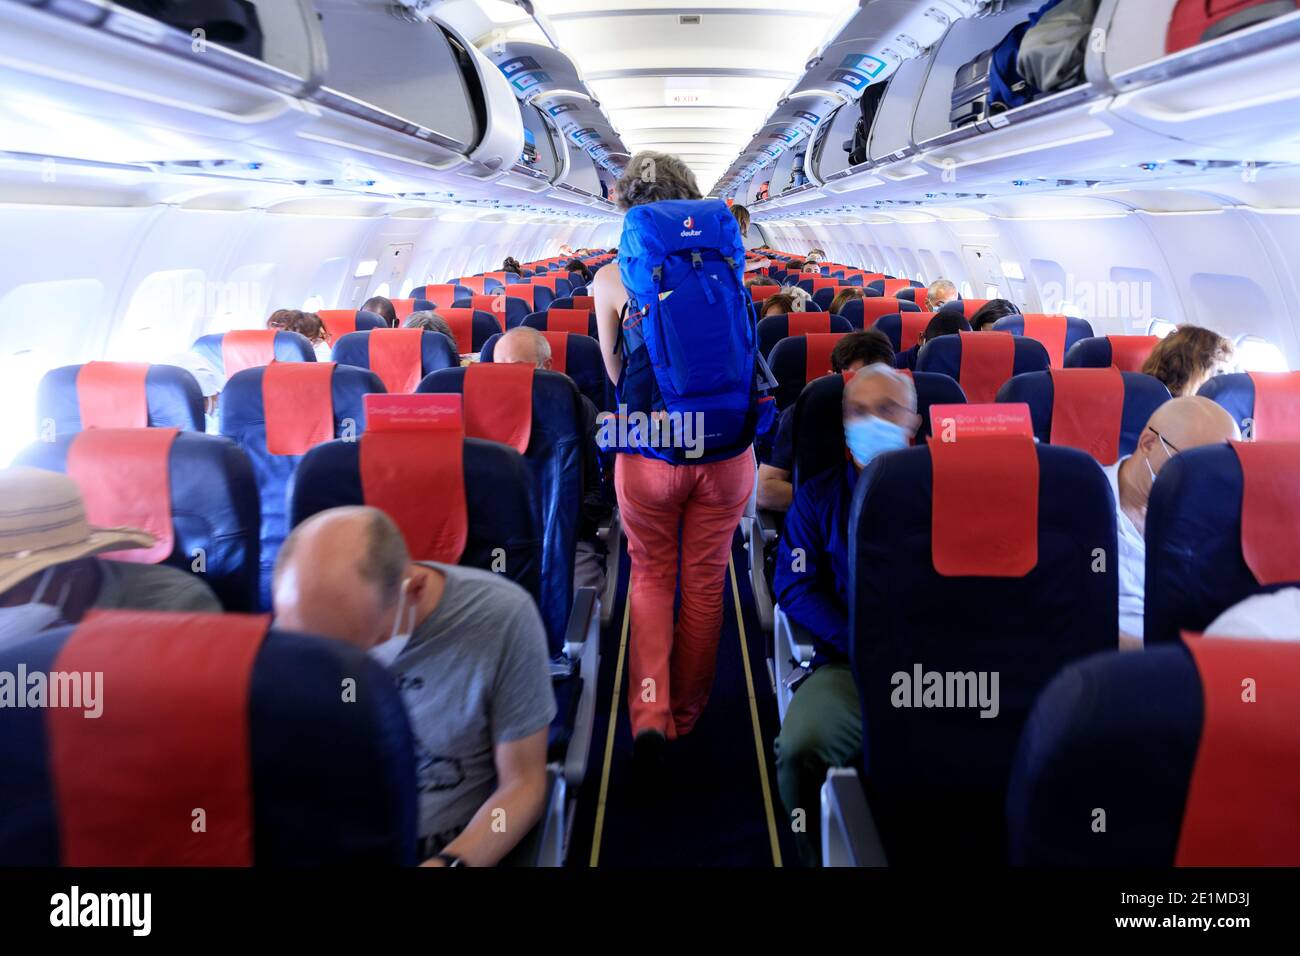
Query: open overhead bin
column 546, row 81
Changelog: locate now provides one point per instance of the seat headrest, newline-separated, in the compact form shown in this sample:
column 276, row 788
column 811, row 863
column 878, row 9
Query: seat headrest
column 118, row 395
column 1266, row 405
column 1057, row 333
column 981, row 361
column 212, row 712
column 1212, row 532
column 1187, row 774
column 1099, row 410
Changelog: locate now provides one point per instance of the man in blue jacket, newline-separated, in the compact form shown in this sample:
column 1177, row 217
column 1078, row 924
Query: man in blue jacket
column 823, row 727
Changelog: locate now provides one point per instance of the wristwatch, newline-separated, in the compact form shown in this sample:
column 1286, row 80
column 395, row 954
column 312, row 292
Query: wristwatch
column 449, row 859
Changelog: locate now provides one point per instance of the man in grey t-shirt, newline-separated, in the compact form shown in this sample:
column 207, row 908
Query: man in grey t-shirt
column 468, row 652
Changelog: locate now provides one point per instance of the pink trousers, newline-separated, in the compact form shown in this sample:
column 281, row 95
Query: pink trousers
column 677, row 518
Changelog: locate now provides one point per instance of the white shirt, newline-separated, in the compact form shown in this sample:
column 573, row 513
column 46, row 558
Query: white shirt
column 1132, row 561
column 1273, row 617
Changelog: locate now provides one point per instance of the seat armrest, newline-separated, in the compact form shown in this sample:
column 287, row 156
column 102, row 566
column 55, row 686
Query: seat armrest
column 544, row 845
column 849, row 835
column 792, row 654
column 613, row 538
column 578, row 754
column 584, row 622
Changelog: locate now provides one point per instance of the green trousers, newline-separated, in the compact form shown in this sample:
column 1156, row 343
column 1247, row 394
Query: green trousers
column 822, row 729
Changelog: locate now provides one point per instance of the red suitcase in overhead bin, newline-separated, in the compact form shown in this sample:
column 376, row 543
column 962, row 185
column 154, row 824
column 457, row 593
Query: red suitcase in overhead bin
column 1199, row 21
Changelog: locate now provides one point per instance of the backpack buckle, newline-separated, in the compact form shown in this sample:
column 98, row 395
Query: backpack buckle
column 658, row 273
column 697, row 260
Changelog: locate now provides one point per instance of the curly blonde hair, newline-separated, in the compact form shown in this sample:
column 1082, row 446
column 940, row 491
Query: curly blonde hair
column 1188, row 357
column 652, row 176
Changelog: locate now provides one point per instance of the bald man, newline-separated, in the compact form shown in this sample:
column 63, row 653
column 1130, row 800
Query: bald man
column 468, row 651
column 526, row 345
column 823, row 726
column 1175, row 426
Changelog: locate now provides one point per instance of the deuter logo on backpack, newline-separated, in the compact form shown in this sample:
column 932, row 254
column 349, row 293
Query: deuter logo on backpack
column 688, row 346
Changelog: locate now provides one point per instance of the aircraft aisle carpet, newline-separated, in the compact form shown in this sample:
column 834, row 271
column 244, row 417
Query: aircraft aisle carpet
column 714, row 813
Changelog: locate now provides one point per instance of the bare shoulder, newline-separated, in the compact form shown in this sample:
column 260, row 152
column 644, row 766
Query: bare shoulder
column 609, row 278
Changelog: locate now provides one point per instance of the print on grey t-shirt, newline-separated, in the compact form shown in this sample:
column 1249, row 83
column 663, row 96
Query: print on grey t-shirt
column 475, row 674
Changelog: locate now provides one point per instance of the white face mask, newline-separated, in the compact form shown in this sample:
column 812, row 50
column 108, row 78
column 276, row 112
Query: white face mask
column 323, row 351
column 28, row 620
column 386, row 652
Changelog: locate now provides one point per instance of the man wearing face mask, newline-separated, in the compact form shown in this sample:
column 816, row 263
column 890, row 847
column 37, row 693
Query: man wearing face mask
column 49, row 572
column 468, row 651
column 823, row 727
column 1175, row 426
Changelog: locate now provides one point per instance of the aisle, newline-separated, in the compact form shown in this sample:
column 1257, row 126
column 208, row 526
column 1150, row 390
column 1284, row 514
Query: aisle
column 723, row 809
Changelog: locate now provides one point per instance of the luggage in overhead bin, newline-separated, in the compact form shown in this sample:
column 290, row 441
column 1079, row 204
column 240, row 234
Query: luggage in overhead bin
column 1199, row 21
column 991, row 83
column 231, row 23
column 1053, row 50
column 869, row 104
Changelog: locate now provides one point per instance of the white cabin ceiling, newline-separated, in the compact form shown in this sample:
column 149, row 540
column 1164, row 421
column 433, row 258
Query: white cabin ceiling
column 699, row 90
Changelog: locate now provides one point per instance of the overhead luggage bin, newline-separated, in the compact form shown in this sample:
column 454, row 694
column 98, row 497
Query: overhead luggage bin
column 422, row 80
column 83, row 60
column 1235, row 95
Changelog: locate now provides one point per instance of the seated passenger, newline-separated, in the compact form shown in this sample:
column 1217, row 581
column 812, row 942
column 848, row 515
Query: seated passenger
column 527, row 345
column 812, row 267
column 1261, row 617
column 852, row 352
column 752, row 281
column 1175, row 426
column 431, row 322
column 990, row 312
column 512, row 265
column 945, row 322
column 940, row 293
column 468, row 651
column 306, row 324
column 783, row 303
column 580, row 267
column 823, row 725
column 845, row 296
column 382, row 307
column 1187, row 358
column 49, row 572
column 566, row 250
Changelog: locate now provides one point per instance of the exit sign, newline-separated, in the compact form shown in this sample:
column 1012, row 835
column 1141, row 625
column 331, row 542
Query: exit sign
column 684, row 98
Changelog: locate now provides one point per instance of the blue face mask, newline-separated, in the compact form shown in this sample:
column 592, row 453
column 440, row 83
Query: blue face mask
column 872, row 436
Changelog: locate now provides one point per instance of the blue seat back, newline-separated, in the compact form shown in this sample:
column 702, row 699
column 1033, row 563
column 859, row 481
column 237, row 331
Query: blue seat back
column 243, row 420
column 943, row 354
column 555, row 454
column 1195, row 567
column 331, row 784
column 774, row 328
column 289, row 347
column 501, row 510
column 1142, row 396
column 436, row 351
column 172, row 394
column 938, row 775
column 215, row 510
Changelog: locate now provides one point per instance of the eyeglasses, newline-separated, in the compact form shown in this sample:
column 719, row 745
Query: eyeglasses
column 1168, row 444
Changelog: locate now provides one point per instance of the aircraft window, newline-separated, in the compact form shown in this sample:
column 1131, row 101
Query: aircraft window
column 1160, row 327
column 967, row 292
column 382, row 290
column 366, row 269
column 313, row 304
column 20, row 374
column 1259, row 355
column 992, row 292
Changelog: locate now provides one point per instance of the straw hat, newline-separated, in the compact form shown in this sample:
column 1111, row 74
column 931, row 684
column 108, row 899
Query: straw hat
column 43, row 523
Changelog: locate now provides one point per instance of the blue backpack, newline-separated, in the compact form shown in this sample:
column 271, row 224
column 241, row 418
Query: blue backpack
column 688, row 387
